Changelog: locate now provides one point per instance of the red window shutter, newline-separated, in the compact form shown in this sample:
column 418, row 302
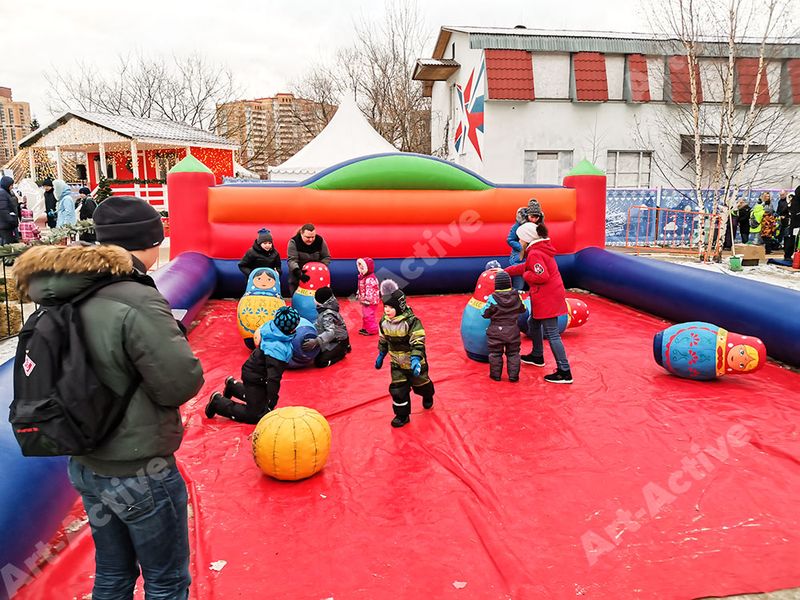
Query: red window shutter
column 638, row 78
column 591, row 83
column 793, row 68
column 509, row 74
column 747, row 73
column 679, row 80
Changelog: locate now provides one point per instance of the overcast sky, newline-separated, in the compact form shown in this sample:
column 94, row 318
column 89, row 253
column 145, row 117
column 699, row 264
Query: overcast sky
column 266, row 43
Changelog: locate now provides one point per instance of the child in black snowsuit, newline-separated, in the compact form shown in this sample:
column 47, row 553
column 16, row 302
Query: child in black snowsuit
column 332, row 337
column 402, row 337
column 503, row 308
column 261, row 373
column 262, row 254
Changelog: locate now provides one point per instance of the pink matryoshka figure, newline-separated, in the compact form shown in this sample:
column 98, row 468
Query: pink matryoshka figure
column 303, row 298
column 703, row 351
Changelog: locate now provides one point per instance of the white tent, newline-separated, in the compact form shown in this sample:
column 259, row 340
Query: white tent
column 347, row 136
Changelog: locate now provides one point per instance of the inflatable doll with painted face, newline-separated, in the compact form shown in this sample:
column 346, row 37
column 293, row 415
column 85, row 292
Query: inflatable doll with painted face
column 703, row 351
column 260, row 302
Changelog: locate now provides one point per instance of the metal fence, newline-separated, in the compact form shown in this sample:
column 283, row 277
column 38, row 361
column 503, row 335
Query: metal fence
column 620, row 203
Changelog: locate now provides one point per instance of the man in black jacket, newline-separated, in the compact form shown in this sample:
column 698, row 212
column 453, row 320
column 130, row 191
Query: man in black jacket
column 9, row 211
column 132, row 490
column 261, row 254
column 305, row 247
column 790, row 241
column 50, row 203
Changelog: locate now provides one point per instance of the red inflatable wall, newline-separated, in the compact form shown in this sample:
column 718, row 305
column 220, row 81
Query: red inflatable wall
column 222, row 221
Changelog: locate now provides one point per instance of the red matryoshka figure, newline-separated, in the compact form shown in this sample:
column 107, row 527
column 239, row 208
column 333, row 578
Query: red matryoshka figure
column 473, row 325
column 303, row 299
column 704, row 351
column 576, row 312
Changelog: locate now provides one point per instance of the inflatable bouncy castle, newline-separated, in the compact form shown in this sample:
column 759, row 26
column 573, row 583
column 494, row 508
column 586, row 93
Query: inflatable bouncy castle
column 427, row 223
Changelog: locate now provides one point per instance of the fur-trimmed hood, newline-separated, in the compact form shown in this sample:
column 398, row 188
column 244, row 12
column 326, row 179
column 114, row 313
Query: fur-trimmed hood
column 57, row 273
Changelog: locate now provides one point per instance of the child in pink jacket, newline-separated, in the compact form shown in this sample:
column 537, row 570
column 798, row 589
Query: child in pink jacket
column 368, row 295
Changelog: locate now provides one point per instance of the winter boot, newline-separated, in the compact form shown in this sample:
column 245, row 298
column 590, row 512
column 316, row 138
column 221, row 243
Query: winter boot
column 559, row 376
column 427, row 402
column 399, row 421
column 211, row 407
column 230, row 382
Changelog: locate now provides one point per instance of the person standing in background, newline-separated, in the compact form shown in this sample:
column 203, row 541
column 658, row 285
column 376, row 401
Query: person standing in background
column 50, row 203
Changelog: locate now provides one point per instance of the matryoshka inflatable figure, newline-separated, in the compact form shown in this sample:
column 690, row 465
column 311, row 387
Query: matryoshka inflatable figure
column 703, row 351
column 260, row 302
column 315, row 275
column 473, row 325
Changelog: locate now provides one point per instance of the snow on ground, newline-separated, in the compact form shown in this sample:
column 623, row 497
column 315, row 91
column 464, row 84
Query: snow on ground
column 764, row 273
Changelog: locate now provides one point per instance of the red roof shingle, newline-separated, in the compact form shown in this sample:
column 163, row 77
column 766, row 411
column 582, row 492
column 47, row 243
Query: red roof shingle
column 679, row 80
column 591, row 83
column 638, row 78
column 747, row 73
column 509, row 74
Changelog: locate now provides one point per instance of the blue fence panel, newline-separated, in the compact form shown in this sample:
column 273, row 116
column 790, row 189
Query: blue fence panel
column 671, row 226
column 618, row 203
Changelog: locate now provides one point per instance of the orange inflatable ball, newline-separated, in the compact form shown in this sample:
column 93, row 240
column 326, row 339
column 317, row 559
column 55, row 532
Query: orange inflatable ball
column 291, row 443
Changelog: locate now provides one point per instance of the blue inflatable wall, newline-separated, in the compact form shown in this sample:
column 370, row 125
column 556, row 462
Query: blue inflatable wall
column 680, row 293
column 35, row 493
column 446, row 276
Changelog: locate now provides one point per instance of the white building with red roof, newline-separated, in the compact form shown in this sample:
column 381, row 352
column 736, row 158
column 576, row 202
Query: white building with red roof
column 521, row 105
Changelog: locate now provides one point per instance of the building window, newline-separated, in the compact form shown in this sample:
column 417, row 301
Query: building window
column 546, row 167
column 626, row 169
column 10, row 116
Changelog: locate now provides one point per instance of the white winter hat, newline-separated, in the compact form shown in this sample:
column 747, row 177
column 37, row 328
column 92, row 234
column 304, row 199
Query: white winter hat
column 527, row 233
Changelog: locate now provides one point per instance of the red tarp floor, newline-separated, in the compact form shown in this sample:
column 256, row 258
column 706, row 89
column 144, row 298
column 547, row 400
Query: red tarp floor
column 497, row 491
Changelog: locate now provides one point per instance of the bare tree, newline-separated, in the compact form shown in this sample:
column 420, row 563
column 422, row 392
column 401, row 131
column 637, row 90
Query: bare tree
column 181, row 89
column 378, row 70
column 730, row 143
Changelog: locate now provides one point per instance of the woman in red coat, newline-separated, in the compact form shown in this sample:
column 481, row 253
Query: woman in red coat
column 548, row 298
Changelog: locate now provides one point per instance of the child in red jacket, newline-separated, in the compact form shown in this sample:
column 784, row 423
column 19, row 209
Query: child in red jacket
column 368, row 295
column 548, row 298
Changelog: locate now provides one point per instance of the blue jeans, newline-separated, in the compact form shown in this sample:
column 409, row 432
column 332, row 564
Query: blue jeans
column 548, row 327
column 139, row 521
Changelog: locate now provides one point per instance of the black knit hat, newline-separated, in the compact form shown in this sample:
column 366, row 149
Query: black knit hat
column 287, row 319
column 393, row 296
column 534, row 208
column 85, row 190
column 129, row 222
column 48, row 182
column 323, row 294
column 264, row 235
column 502, row 281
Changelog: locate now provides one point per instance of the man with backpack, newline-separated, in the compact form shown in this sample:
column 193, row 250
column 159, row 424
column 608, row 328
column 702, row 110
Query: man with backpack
column 135, row 357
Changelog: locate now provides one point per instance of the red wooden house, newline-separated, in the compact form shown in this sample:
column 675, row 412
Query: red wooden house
column 133, row 153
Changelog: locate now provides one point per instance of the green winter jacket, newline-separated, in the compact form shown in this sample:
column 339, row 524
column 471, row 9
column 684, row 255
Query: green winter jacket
column 401, row 338
column 128, row 328
column 755, row 218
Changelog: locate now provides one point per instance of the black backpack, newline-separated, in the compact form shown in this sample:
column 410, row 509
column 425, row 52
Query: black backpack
column 60, row 407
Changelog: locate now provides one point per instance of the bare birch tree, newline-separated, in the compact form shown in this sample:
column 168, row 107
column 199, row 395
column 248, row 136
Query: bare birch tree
column 743, row 138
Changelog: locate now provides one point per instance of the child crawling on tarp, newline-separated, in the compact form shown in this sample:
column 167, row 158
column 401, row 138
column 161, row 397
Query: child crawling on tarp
column 261, row 372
